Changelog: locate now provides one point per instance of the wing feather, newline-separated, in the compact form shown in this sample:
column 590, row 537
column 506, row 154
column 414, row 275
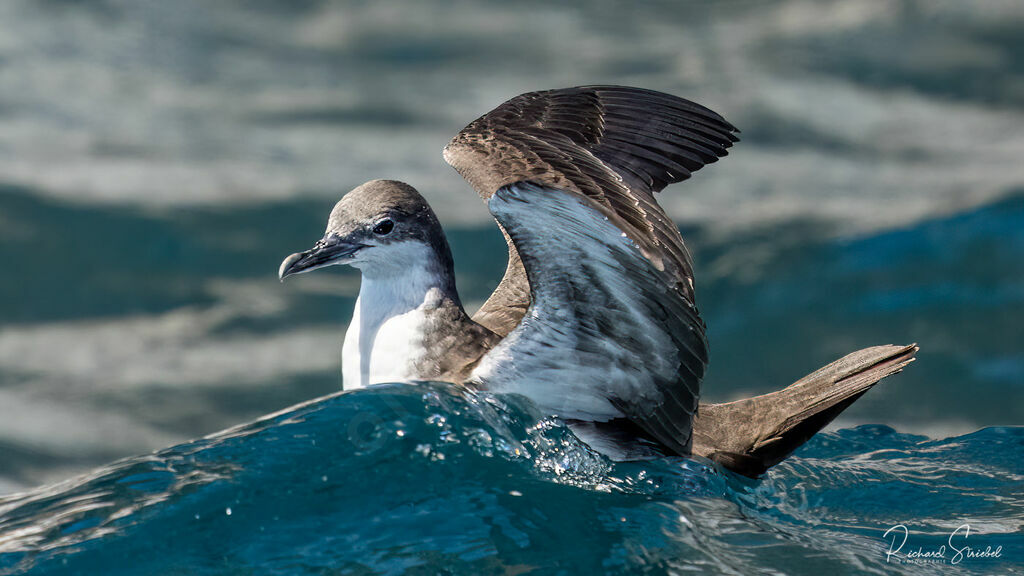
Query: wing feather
column 615, row 145
column 605, row 337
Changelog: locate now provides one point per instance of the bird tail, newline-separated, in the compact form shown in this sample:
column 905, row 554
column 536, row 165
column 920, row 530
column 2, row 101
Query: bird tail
column 751, row 435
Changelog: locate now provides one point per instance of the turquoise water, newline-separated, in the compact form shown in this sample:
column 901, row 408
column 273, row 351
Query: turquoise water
column 429, row 480
column 159, row 159
column 424, row 479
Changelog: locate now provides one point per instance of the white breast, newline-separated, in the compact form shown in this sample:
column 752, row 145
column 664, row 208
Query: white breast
column 388, row 329
column 381, row 349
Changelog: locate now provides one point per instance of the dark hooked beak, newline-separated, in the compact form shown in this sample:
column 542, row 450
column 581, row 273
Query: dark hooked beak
column 325, row 252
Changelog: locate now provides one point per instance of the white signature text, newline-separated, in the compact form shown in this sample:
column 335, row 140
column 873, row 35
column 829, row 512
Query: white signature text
column 954, row 551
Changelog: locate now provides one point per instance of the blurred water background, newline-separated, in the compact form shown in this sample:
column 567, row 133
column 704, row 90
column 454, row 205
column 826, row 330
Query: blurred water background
column 159, row 159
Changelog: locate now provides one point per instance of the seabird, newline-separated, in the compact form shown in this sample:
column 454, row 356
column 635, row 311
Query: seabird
column 595, row 319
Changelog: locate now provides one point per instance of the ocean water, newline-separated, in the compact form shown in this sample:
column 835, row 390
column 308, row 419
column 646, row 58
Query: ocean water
column 159, row 159
column 427, row 479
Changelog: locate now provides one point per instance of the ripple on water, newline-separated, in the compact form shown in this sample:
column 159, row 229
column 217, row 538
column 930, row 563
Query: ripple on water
column 398, row 478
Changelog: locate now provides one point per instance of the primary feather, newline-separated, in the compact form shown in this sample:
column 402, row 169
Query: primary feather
column 616, row 145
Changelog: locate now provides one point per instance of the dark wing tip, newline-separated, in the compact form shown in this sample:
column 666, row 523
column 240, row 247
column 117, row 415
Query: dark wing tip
column 641, row 135
column 617, row 145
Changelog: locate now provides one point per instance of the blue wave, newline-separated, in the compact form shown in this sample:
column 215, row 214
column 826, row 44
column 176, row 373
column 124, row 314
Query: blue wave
column 434, row 479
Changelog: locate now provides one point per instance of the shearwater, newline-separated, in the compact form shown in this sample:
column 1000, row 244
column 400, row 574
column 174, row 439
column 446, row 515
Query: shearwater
column 595, row 319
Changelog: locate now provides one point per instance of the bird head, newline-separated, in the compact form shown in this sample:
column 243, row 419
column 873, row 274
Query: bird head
column 382, row 228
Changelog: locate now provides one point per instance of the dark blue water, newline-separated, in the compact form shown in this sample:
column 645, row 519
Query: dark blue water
column 427, row 479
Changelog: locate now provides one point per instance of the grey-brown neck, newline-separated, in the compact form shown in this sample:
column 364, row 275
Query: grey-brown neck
column 408, row 322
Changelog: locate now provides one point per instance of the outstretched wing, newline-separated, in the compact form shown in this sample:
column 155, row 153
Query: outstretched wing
column 615, row 145
column 604, row 337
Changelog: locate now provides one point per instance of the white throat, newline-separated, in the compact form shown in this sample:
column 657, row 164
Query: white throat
column 387, row 333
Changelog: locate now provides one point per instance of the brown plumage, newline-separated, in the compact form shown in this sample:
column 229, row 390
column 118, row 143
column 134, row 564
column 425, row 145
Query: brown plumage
column 619, row 146
column 613, row 144
column 753, row 434
column 614, row 344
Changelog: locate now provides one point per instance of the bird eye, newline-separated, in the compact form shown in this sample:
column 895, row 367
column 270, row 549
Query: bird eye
column 384, row 227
